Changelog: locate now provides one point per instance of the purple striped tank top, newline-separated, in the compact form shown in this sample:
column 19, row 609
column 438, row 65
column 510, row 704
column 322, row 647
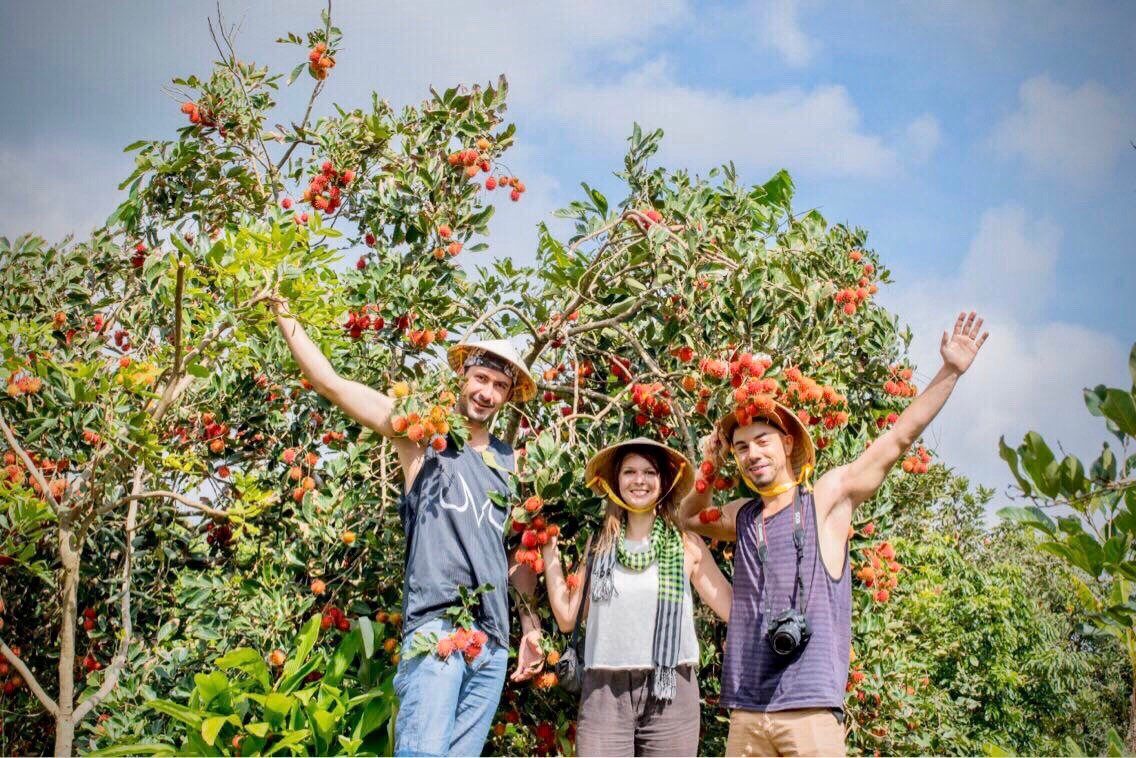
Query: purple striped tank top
column 753, row 676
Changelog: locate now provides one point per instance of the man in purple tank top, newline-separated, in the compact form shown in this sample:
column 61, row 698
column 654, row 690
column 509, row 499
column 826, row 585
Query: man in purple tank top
column 789, row 637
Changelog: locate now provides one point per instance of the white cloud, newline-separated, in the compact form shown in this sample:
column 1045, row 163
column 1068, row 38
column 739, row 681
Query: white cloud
column 780, row 29
column 922, row 138
column 1059, row 131
column 1031, row 371
column 816, row 131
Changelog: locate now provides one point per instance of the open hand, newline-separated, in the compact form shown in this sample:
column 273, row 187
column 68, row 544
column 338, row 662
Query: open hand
column 530, row 658
column 958, row 349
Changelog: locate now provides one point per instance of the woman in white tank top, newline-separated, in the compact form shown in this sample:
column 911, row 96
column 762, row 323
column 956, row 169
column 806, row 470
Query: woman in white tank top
column 640, row 692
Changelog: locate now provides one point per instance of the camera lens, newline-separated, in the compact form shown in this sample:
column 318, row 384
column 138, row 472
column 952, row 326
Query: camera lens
column 785, row 639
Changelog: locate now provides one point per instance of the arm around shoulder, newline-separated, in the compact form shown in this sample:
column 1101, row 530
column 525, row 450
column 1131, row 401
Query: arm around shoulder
column 707, row 579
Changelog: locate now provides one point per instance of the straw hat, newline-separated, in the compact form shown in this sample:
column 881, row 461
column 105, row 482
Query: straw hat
column 803, row 454
column 602, row 466
column 524, row 387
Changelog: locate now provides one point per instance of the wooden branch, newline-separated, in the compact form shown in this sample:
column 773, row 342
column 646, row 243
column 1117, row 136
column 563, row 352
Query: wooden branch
column 156, row 494
column 29, row 678
column 118, row 663
column 27, row 461
column 179, row 294
column 493, row 312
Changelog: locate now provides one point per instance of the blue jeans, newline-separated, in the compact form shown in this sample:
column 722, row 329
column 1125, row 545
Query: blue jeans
column 446, row 706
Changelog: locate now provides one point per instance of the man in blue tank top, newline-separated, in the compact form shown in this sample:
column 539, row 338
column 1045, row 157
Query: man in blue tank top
column 789, row 638
column 454, row 540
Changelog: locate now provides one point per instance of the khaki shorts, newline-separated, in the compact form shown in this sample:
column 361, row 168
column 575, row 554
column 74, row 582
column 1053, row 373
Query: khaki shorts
column 805, row 731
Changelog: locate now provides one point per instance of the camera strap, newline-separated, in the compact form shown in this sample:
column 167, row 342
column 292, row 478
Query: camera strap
column 798, row 546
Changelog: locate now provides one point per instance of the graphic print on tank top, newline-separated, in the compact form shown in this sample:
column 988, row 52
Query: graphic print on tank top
column 455, row 535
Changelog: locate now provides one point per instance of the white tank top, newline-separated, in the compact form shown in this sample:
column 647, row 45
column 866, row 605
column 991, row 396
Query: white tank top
column 621, row 631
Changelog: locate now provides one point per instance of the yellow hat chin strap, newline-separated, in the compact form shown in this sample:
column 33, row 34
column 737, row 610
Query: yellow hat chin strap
column 777, row 489
column 606, row 487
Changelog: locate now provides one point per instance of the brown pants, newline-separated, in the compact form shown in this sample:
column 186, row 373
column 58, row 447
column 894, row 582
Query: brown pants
column 805, row 731
column 618, row 715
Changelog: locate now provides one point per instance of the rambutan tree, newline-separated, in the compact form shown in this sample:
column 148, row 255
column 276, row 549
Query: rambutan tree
column 201, row 554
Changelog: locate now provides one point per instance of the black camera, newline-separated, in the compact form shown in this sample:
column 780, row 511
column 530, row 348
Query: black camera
column 788, row 632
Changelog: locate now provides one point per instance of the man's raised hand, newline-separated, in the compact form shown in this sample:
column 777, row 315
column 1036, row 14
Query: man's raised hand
column 959, row 348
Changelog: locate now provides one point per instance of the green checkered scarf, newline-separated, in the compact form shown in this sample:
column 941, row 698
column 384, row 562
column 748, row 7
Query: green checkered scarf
column 665, row 546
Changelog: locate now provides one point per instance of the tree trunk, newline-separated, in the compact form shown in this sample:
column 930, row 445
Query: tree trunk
column 69, row 558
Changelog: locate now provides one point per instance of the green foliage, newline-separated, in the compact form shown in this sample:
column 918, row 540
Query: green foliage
column 158, row 372
column 1098, row 538
column 340, row 703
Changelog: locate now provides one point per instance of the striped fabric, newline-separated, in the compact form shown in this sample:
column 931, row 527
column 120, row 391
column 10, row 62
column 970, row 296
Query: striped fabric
column 753, row 676
column 665, row 547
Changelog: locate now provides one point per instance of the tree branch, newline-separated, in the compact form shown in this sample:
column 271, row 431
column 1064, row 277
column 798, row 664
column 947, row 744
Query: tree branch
column 29, row 678
column 118, row 663
column 27, row 461
column 156, row 494
column 179, row 294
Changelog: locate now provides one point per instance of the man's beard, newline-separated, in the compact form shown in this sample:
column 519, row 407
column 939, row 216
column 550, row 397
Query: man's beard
column 464, row 407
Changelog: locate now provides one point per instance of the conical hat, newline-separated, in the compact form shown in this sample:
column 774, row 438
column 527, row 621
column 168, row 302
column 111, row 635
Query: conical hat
column 804, row 454
column 602, row 466
column 524, row 387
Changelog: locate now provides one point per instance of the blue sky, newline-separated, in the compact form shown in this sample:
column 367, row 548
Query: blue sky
column 986, row 147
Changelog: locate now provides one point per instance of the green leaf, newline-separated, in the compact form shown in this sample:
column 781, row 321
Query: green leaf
column 1114, row 549
column 1104, row 467
column 1094, row 398
column 1008, row 454
column 177, row 711
column 246, row 660
column 305, row 641
column 342, row 658
column 1120, row 408
column 212, row 726
column 350, row 746
column 210, row 685
column 196, row 369
column 1072, row 473
column 290, row 739
column 367, row 632
column 1132, row 364
column 1039, row 461
column 277, row 707
column 1030, row 516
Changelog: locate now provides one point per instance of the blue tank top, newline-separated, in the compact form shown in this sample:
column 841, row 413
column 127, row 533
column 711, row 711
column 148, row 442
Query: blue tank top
column 753, row 676
column 455, row 536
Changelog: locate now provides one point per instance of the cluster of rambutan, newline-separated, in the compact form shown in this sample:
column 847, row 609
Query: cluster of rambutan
column 880, row 571
column 419, row 420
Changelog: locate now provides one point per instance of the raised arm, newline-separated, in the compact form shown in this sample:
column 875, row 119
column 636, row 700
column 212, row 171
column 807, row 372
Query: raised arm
column 368, row 406
column 707, row 579
column 695, row 502
column 565, row 603
column 843, row 488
